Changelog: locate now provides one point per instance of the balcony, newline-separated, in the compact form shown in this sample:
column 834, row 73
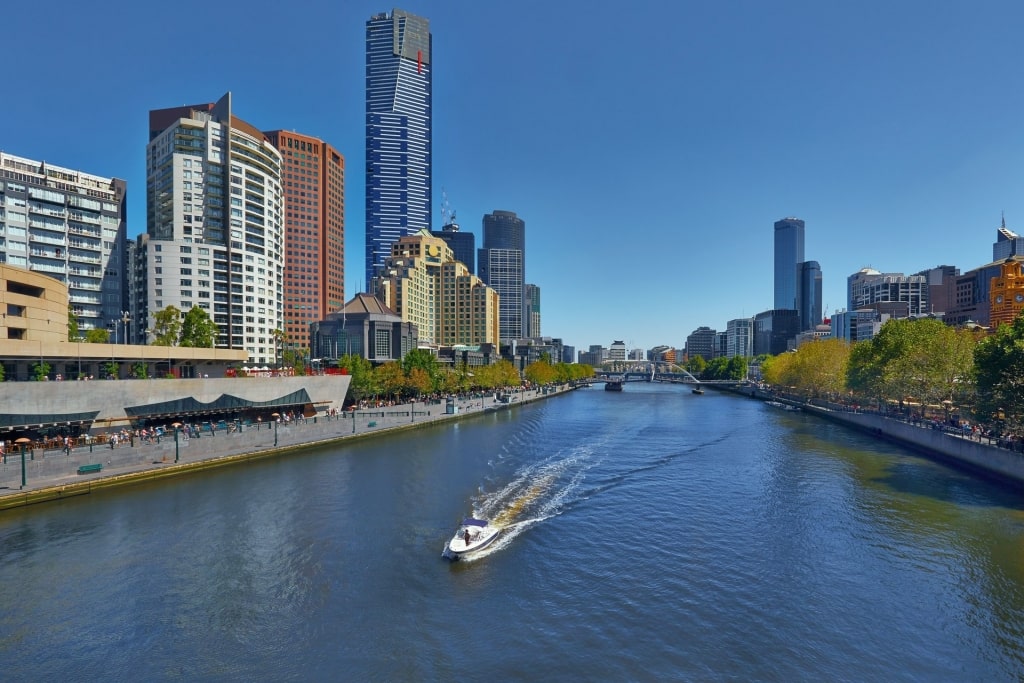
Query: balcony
column 84, row 258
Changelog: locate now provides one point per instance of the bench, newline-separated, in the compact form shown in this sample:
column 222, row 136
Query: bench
column 88, row 469
column 372, row 424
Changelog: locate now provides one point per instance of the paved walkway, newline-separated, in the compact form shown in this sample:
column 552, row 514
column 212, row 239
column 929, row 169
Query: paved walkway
column 48, row 473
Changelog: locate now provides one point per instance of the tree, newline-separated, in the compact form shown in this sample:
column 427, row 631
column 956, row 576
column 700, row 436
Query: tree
column 540, row 372
column 3, row 373
column 198, row 330
column 362, row 383
column 111, row 369
column 41, row 371
column 390, row 378
column 139, row 371
column 999, row 375
column 425, row 361
column 418, row 382
column 920, row 360
column 696, row 365
column 97, row 336
column 167, row 326
column 279, row 338
column 73, row 334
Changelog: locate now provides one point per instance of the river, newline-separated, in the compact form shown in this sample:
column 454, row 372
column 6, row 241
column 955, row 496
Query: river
column 650, row 534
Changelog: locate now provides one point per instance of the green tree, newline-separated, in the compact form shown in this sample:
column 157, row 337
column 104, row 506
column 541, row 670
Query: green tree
column 111, row 369
column 167, row 326
column 362, row 384
column 279, row 338
column 913, row 360
column 390, row 378
column 696, row 365
column 73, row 333
column 41, row 371
column 198, row 330
column 540, row 372
column 3, row 373
column 139, row 371
column 97, row 336
column 999, row 376
column 425, row 361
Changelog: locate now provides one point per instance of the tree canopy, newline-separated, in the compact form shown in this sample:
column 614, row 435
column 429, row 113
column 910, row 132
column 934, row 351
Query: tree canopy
column 999, row 375
column 167, row 326
column 198, row 330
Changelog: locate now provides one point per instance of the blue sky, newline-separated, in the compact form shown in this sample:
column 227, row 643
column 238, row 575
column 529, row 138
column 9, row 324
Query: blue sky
column 649, row 146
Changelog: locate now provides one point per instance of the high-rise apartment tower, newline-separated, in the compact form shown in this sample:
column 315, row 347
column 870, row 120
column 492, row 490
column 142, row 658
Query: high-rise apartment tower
column 69, row 225
column 215, row 224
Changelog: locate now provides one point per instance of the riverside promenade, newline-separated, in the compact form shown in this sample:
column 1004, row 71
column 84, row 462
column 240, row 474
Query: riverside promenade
column 54, row 474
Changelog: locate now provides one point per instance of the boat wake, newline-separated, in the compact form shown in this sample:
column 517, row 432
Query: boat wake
column 536, row 493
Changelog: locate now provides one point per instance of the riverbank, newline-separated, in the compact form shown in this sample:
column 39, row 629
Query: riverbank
column 54, row 475
column 958, row 449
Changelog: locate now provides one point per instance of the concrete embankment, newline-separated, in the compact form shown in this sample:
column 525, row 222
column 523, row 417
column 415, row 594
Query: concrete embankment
column 979, row 456
column 53, row 475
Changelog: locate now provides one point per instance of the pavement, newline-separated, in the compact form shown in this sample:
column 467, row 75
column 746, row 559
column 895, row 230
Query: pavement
column 53, row 474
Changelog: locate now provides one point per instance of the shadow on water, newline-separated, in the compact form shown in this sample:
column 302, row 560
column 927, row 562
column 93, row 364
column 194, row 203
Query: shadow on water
column 906, row 471
column 947, row 484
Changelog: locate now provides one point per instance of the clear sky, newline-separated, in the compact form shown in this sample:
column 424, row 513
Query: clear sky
column 649, row 146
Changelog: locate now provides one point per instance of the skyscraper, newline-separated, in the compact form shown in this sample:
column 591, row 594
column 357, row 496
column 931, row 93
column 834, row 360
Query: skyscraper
column 502, row 265
column 69, row 225
column 531, row 295
column 399, row 115
column 463, row 244
column 214, row 223
column 789, row 254
column 313, row 184
column 808, row 298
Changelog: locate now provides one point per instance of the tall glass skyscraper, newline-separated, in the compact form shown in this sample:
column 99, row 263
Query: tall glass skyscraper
column 789, row 254
column 502, row 265
column 399, row 115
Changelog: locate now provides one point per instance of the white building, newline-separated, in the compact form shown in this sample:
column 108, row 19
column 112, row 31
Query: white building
column 71, row 226
column 739, row 337
column 215, row 225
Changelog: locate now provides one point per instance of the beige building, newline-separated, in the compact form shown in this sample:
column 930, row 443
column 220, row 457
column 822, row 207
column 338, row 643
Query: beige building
column 424, row 284
column 34, row 331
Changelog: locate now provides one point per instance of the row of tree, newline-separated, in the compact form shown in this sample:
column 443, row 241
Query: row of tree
column 916, row 362
column 419, row 374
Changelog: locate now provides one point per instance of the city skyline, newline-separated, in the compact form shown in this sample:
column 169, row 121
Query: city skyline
column 687, row 132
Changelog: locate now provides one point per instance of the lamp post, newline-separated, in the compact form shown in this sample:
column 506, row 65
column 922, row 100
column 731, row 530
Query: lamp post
column 21, row 442
column 177, row 426
column 276, row 417
column 126, row 317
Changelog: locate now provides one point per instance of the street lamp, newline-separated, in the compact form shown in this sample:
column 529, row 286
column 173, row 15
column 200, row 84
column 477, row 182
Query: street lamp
column 22, row 441
column 177, row 426
column 126, row 317
column 276, row 417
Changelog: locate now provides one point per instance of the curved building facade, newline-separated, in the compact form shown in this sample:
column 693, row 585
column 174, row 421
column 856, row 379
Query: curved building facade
column 215, row 224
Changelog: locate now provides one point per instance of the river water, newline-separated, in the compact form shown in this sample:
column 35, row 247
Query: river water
column 648, row 535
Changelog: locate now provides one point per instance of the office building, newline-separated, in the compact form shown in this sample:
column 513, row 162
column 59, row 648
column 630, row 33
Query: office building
column 789, row 254
column 463, row 244
column 215, row 224
column 701, row 342
column 71, row 226
column 501, row 263
column 1007, row 244
column 739, row 337
column 399, row 113
column 775, row 331
column 531, row 294
column 808, row 300
column 313, row 185
column 894, row 294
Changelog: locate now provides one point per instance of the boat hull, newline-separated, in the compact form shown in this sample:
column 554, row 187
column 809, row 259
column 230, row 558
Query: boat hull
column 457, row 547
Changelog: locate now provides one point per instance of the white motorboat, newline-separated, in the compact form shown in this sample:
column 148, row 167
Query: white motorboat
column 472, row 535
